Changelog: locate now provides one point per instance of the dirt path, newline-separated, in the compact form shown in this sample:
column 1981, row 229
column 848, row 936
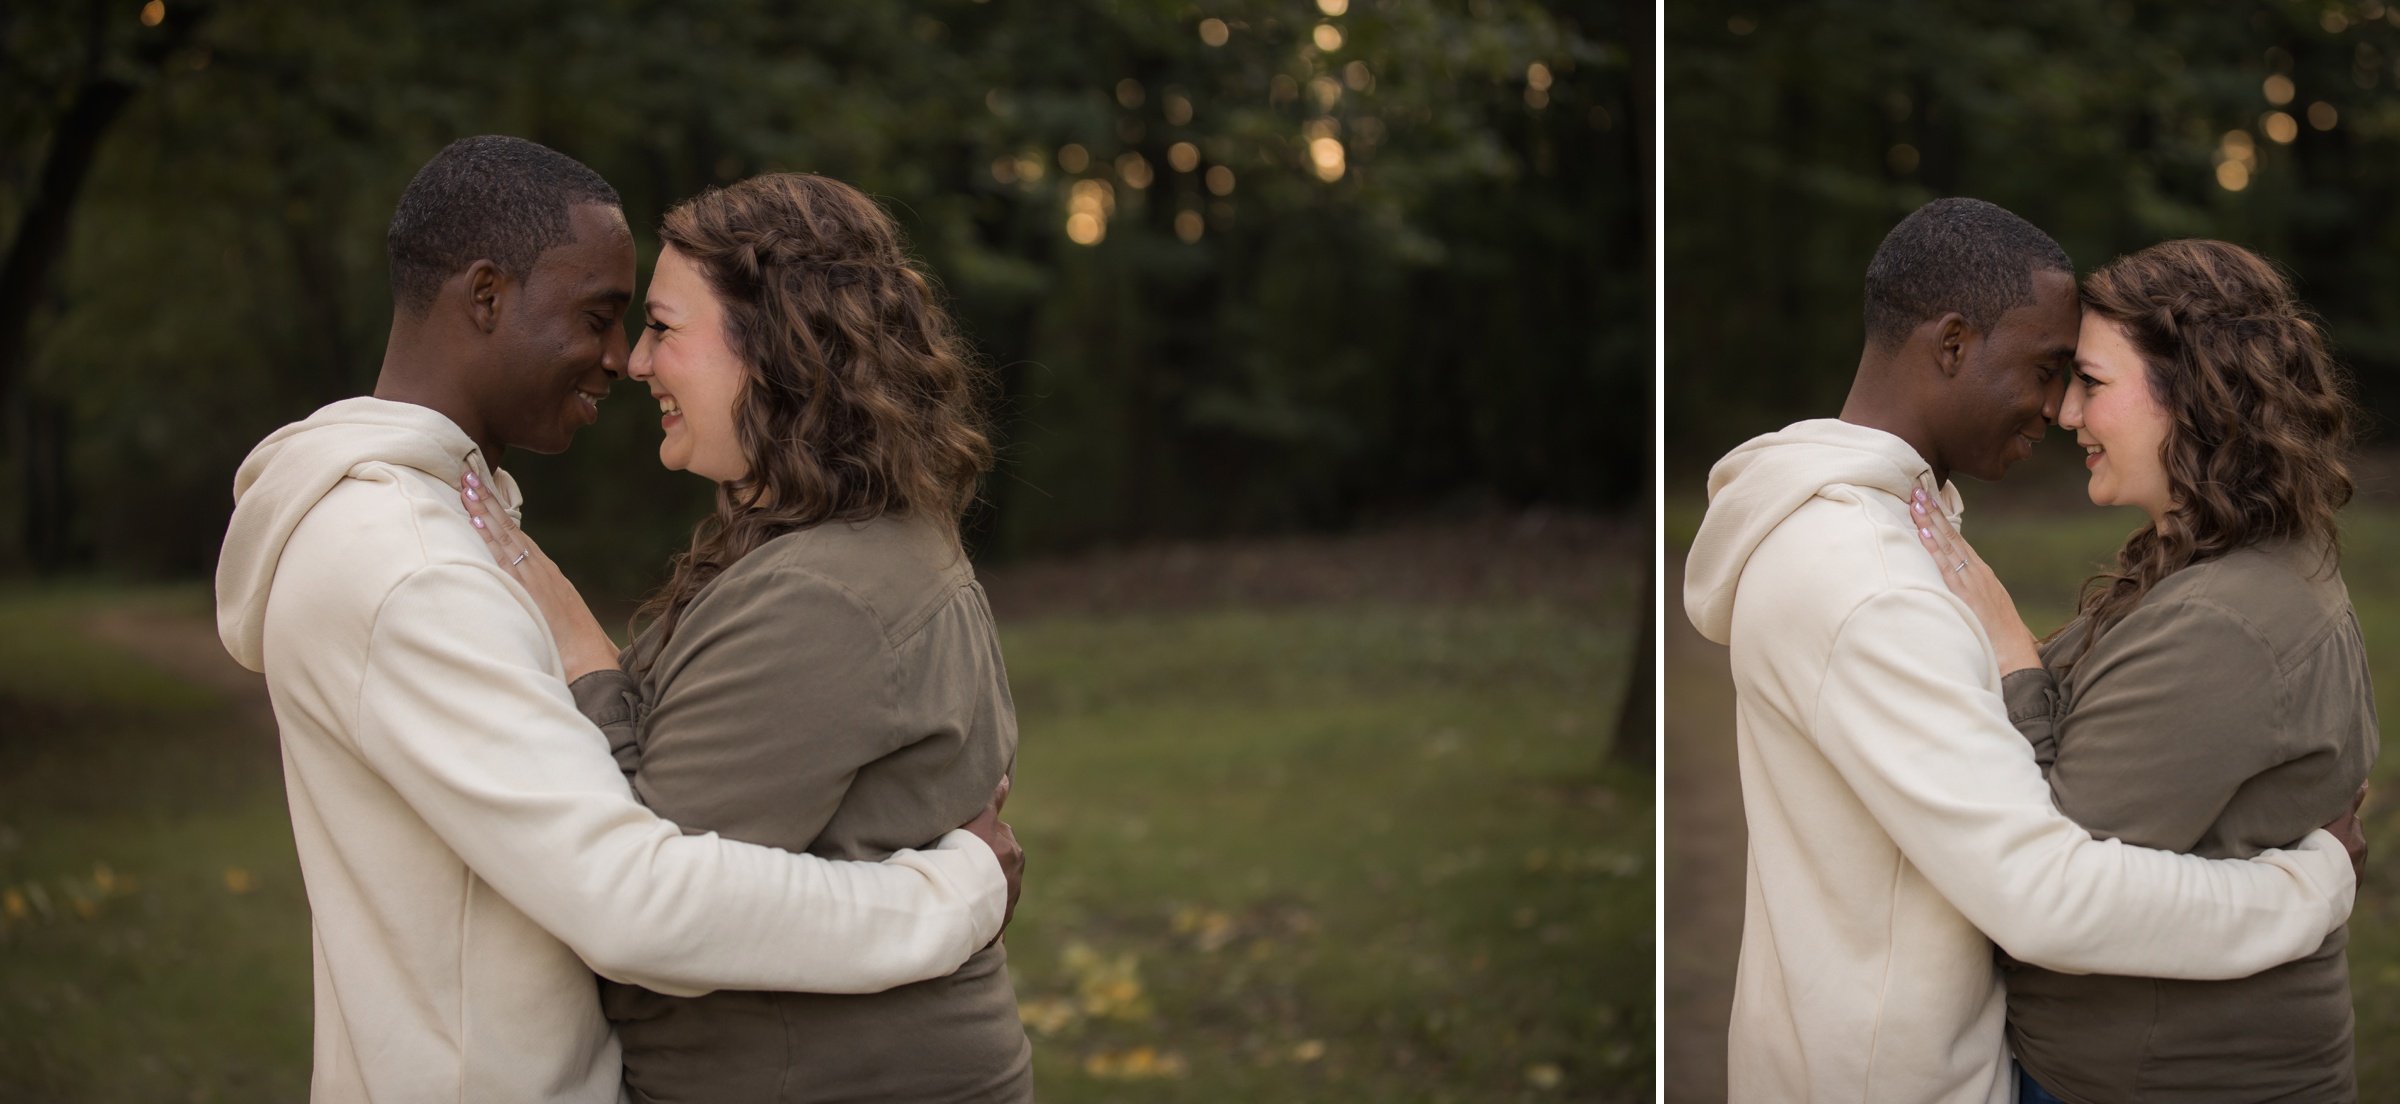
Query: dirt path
column 1706, row 851
column 185, row 645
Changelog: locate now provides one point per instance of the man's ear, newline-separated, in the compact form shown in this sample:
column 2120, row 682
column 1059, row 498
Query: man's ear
column 1950, row 335
column 483, row 280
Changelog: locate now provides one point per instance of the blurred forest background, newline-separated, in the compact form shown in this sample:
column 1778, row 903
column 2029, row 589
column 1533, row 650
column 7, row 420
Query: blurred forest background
column 1320, row 542
column 1798, row 133
column 1250, row 266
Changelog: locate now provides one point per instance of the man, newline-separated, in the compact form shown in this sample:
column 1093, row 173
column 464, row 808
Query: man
column 467, row 841
column 1898, row 824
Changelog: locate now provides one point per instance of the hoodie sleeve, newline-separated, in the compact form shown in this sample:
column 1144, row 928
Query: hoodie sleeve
column 1905, row 715
column 462, row 712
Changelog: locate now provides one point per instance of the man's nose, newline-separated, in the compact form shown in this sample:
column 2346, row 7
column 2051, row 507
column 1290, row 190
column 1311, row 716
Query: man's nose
column 613, row 359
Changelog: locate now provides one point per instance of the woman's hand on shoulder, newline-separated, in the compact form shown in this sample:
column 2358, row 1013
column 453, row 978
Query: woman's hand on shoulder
column 583, row 646
column 1973, row 582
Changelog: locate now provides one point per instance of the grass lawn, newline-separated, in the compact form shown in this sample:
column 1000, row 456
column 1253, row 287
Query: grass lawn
column 1359, row 850
column 153, row 932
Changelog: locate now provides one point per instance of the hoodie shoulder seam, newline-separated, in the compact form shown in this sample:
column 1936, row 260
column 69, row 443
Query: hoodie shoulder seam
column 1888, row 589
column 425, row 563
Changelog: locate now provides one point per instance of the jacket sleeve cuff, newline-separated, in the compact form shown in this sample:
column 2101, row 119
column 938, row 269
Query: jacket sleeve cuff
column 2031, row 695
column 608, row 699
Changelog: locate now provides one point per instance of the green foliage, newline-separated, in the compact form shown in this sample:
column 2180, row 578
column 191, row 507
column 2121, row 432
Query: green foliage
column 1460, row 315
column 1799, row 133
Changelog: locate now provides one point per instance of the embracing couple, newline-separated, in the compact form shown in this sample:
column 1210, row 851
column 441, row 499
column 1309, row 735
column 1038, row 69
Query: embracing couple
column 748, row 821
column 2130, row 808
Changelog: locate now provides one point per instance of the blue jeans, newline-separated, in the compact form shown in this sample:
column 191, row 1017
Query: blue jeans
column 2030, row 1091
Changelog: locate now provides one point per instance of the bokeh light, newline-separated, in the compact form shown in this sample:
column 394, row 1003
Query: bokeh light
column 1134, row 170
column 1325, row 155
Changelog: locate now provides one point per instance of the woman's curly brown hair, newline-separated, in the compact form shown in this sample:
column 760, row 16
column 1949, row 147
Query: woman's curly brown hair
column 2262, row 414
column 862, row 399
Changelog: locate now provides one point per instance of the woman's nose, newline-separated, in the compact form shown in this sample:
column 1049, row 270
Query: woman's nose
column 637, row 366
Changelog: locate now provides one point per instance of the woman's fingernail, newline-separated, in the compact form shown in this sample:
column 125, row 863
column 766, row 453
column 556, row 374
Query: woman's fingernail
column 478, row 522
column 1925, row 533
column 1917, row 508
column 471, row 493
column 471, row 480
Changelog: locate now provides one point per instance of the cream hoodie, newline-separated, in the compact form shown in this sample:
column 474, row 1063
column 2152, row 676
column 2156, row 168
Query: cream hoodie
column 467, row 842
column 1898, row 824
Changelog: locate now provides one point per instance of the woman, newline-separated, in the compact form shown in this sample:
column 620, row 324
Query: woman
column 820, row 672
column 2211, row 694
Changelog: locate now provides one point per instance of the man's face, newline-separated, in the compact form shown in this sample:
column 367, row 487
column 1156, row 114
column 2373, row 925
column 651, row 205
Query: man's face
column 562, row 335
column 2008, row 387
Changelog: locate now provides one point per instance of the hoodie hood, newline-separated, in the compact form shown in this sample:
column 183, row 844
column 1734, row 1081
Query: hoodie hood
column 282, row 479
column 1758, row 485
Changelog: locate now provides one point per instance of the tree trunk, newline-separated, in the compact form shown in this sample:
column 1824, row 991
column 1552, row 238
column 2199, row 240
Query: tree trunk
column 34, row 251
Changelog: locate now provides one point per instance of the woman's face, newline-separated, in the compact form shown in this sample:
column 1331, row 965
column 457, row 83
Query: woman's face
column 691, row 371
column 2118, row 421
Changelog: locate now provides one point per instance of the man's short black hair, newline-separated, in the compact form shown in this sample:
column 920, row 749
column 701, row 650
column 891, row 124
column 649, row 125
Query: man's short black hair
column 491, row 196
column 1955, row 254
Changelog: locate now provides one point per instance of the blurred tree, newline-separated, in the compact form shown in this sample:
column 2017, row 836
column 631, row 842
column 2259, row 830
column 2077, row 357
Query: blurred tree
column 1238, row 266
column 60, row 104
column 1800, row 132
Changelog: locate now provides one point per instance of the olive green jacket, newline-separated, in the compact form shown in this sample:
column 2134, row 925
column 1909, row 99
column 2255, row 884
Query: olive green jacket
column 838, row 691
column 2228, row 713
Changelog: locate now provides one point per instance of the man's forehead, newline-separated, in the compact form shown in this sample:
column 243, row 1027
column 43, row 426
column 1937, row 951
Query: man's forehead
column 2054, row 306
column 606, row 217
column 598, row 259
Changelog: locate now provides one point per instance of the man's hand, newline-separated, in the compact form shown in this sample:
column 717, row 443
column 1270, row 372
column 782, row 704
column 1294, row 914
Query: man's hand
column 992, row 830
column 2353, row 835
